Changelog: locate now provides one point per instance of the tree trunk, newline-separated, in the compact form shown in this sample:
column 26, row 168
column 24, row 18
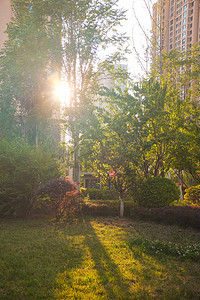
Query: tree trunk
column 121, row 207
column 180, row 185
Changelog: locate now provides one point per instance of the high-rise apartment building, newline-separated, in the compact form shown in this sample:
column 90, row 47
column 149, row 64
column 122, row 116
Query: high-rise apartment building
column 176, row 25
column 5, row 18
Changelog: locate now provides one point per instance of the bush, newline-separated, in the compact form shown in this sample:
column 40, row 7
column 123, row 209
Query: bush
column 192, row 196
column 22, row 169
column 173, row 215
column 106, row 208
column 60, row 196
column 98, row 194
column 157, row 192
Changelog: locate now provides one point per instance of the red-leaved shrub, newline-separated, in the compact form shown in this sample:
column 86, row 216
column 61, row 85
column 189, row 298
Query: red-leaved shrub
column 60, row 196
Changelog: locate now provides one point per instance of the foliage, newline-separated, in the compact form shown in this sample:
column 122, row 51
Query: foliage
column 60, row 195
column 25, row 84
column 191, row 251
column 130, row 137
column 157, row 192
column 192, row 196
column 174, row 215
column 22, row 169
column 98, row 194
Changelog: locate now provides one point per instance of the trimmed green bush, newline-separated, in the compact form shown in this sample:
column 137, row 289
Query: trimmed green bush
column 157, row 192
column 98, row 194
column 192, row 196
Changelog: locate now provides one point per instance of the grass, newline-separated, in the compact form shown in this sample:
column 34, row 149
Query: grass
column 102, row 258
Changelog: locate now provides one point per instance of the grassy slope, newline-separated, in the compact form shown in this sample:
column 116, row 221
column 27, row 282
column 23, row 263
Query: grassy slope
column 92, row 260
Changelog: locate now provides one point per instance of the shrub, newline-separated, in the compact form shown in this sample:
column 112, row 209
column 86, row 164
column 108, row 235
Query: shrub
column 98, row 194
column 173, row 215
column 60, row 196
column 22, row 169
column 192, row 196
column 157, row 192
column 106, row 208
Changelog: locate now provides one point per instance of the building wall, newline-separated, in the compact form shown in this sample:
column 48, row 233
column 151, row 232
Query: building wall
column 5, row 18
column 176, row 24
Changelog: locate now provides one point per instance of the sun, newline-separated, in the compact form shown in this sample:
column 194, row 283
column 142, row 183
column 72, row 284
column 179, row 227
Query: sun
column 63, row 93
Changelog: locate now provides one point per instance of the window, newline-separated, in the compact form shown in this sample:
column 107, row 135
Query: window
column 171, row 28
column 171, row 46
column 183, row 34
column 191, row 11
column 184, row 21
column 185, row 14
column 171, row 22
column 184, row 27
column 184, row 7
column 171, row 34
column 183, row 41
column 192, row 4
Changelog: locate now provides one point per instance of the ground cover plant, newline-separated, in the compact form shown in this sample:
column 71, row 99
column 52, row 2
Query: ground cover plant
column 101, row 258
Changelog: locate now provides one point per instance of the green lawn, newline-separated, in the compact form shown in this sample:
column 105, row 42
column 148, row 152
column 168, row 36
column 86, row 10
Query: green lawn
column 96, row 259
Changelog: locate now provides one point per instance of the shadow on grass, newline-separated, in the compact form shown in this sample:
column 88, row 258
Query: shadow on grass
column 98, row 277
column 32, row 253
column 109, row 273
column 159, row 268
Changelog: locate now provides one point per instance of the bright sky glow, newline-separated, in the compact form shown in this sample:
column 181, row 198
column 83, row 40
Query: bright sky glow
column 135, row 32
column 63, row 93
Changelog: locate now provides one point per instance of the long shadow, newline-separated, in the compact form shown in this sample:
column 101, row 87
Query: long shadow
column 109, row 273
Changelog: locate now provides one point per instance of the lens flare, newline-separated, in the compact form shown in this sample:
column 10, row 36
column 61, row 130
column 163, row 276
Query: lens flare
column 63, row 93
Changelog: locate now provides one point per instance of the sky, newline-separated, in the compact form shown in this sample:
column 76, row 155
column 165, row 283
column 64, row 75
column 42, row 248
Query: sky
column 134, row 31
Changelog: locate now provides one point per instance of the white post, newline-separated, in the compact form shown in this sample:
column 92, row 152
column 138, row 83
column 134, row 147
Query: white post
column 121, row 207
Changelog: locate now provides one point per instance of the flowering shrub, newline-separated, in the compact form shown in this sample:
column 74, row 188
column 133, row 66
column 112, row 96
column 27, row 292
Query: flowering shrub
column 60, row 196
column 192, row 196
column 160, row 247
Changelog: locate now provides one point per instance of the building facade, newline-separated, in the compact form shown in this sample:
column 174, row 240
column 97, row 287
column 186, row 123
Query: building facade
column 5, row 17
column 175, row 25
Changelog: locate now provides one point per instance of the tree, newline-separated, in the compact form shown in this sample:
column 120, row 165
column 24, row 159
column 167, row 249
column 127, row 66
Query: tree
column 86, row 32
column 24, row 68
column 63, row 38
